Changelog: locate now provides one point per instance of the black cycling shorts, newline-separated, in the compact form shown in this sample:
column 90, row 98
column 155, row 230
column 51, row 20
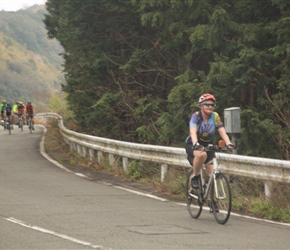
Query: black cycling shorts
column 190, row 156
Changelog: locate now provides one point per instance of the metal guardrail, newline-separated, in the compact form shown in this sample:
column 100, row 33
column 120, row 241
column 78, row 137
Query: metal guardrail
column 254, row 167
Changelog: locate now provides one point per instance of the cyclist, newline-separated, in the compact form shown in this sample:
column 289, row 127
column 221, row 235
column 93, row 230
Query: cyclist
column 202, row 127
column 15, row 107
column 8, row 113
column 30, row 112
column 2, row 108
column 20, row 111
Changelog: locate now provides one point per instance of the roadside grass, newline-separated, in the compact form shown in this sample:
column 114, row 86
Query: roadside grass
column 248, row 194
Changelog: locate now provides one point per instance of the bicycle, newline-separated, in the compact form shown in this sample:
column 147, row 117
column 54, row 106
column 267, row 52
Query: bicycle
column 20, row 122
column 8, row 124
column 4, row 123
column 215, row 190
column 29, row 122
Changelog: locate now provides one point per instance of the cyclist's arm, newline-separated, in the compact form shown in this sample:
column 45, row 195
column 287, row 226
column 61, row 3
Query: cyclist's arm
column 193, row 135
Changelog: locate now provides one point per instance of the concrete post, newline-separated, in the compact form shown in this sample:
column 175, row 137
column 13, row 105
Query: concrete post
column 164, row 169
column 125, row 163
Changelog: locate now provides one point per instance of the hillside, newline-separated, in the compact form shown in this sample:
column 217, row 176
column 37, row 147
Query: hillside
column 30, row 64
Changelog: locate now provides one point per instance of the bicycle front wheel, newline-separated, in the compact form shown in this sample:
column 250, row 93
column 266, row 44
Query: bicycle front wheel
column 21, row 124
column 194, row 206
column 221, row 198
column 30, row 126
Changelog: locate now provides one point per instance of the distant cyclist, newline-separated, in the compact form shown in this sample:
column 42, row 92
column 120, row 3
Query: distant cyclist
column 20, row 111
column 8, row 113
column 30, row 113
column 15, row 107
column 2, row 108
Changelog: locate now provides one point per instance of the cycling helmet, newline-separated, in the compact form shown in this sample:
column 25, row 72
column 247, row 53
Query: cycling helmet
column 8, row 103
column 4, row 101
column 29, row 102
column 206, row 97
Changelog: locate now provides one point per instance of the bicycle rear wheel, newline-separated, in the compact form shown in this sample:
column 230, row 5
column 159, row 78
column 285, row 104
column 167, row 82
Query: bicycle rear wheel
column 221, row 198
column 194, row 206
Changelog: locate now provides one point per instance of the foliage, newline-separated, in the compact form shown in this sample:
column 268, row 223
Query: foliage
column 135, row 68
column 30, row 66
column 58, row 104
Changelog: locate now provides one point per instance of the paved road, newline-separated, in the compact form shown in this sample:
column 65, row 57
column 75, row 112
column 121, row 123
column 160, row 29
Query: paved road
column 45, row 207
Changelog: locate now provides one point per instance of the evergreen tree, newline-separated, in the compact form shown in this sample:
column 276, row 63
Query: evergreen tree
column 135, row 68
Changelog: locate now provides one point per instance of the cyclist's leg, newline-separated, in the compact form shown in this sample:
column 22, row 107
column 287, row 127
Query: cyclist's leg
column 190, row 158
column 198, row 161
column 209, row 170
column 210, row 155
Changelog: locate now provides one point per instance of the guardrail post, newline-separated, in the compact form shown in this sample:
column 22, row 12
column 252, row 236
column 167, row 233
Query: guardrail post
column 268, row 189
column 100, row 156
column 84, row 151
column 71, row 145
column 79, row 149
column 164, row 169
column 91, row 153
column 125, row 163
column 111, row 159
column 75, row 147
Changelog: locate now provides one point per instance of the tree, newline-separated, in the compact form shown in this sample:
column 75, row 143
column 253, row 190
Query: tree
column 135, row 68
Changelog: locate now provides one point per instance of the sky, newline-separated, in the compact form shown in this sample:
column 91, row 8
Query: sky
column 14, row 5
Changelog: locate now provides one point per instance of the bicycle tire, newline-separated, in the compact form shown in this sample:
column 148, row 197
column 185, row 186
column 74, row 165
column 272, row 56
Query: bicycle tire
column 194, row 206
column 9, row 127
column 21, row 124
column 30, row 125
column 222, row 198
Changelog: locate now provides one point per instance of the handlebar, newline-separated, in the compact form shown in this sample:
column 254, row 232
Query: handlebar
column 215, row 147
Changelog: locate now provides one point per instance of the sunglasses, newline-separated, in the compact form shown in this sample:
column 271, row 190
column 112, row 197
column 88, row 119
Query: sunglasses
column 209, row 105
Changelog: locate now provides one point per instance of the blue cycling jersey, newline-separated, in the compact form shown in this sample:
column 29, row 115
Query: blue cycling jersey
column 205, row 132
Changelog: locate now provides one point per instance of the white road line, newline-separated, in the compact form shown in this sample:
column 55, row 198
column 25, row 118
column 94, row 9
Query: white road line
column 42, row 151
column 82, row 175
column 140, row 193
column 63, row 236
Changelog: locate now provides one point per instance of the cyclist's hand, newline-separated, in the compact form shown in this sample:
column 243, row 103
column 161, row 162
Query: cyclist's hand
column 197, row 146
column 230, row 146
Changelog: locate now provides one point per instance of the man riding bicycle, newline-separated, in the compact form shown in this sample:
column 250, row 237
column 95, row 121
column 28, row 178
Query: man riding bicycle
column 202, row 127
column 2, row 108
column 30, row 113
column 8, row 114
column 20, row 111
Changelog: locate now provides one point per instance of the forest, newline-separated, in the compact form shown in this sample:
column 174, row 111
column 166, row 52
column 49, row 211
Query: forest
column 30, row 64
column 134, row 69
